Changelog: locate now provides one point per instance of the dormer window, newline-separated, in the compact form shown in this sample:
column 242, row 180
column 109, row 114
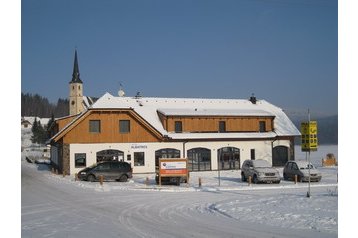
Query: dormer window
column 222, row 126
column 178, row 127
column 262, row 125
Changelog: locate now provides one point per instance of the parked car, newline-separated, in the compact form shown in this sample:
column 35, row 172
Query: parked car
column 260, row 171
column 110, row 170
column 301, row 169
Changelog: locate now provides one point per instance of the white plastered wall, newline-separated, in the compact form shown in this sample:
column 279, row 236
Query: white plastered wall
column 263, row 150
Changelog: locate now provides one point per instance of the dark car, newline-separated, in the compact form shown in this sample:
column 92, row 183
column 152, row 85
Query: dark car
column 110, row 170
column 303, row 170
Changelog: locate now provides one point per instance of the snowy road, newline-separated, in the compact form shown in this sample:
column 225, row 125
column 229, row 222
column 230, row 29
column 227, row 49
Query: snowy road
column 53, row 207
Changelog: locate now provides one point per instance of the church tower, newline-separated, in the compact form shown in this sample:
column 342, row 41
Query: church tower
column 76, row 90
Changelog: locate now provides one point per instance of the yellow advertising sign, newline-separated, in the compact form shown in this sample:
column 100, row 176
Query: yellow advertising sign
column 309, row 139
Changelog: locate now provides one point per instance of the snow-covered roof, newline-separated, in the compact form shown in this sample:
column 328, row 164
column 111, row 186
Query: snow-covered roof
column 212, row 112
column 148, row 108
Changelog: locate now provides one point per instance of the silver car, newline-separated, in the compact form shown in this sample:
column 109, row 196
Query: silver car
column 301, row 169
column 260, row 171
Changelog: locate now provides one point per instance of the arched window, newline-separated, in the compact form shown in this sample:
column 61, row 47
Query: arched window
column 166, row 153
column 199, row 159
column 229, row 158
column 109, row 155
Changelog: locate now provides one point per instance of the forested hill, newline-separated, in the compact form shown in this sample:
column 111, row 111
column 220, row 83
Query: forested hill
column 36, row 105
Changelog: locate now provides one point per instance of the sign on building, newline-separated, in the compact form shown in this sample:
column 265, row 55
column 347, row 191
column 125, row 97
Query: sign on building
column 176, row 168
column 309, row 140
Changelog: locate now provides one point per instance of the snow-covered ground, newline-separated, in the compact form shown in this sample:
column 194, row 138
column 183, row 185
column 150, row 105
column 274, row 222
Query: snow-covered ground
column 56, row 206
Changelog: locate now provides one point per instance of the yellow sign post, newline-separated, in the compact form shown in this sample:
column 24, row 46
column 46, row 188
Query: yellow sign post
column 309, row 142
column 309, row 136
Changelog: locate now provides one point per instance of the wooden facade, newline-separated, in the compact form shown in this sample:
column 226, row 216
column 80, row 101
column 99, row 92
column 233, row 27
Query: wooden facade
column 204, row 124
column 61, row 123
column 141, row 131
column 109, row 120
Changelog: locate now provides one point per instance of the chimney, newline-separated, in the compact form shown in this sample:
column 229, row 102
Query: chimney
column 253, row 99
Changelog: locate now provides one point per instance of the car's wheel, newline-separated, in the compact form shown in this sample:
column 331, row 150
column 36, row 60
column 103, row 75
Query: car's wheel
column 255, row 180
column 299, row 179
column 243, row 178
column 123, row 178
column 91, row 178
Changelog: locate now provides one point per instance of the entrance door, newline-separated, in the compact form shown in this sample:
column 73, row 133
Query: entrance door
column 229, row 158
column 199, row 159
column 279, row 156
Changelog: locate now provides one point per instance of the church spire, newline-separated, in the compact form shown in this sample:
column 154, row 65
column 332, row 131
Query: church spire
column 76, row 71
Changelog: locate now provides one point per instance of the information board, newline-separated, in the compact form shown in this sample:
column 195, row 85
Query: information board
column 309, row 139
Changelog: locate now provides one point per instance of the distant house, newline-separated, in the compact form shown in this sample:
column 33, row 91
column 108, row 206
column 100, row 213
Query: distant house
column 214, row 134
column 25, row 123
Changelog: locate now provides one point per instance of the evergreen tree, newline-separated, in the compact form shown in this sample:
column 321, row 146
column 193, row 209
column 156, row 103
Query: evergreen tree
column 35, row 105
column 34, row 131
column 48, row 127
column 39, row 134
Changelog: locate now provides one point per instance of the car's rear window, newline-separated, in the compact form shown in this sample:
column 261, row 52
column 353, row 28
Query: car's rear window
column 114, row 165
column 125, row 165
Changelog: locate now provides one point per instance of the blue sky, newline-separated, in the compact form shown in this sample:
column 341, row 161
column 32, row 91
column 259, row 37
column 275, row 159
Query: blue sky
column 283, row 51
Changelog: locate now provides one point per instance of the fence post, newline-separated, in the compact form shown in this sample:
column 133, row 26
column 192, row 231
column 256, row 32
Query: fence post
column 63, row 173
column 249, row 180
column 295, row 178
column 76, row 176
column 199, row 182
column 146, row 181
column 101, row 180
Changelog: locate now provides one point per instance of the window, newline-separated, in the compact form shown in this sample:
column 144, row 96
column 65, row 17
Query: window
column 222, row 126
column 138, row 158
column 95, row 126
column 109, row 155
column 252, row 151
column 103, row 167
column 124, row 126
column 80, row 160
column 199, row 159
column 262, row 125
column 178, row 127
column 115, row 166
